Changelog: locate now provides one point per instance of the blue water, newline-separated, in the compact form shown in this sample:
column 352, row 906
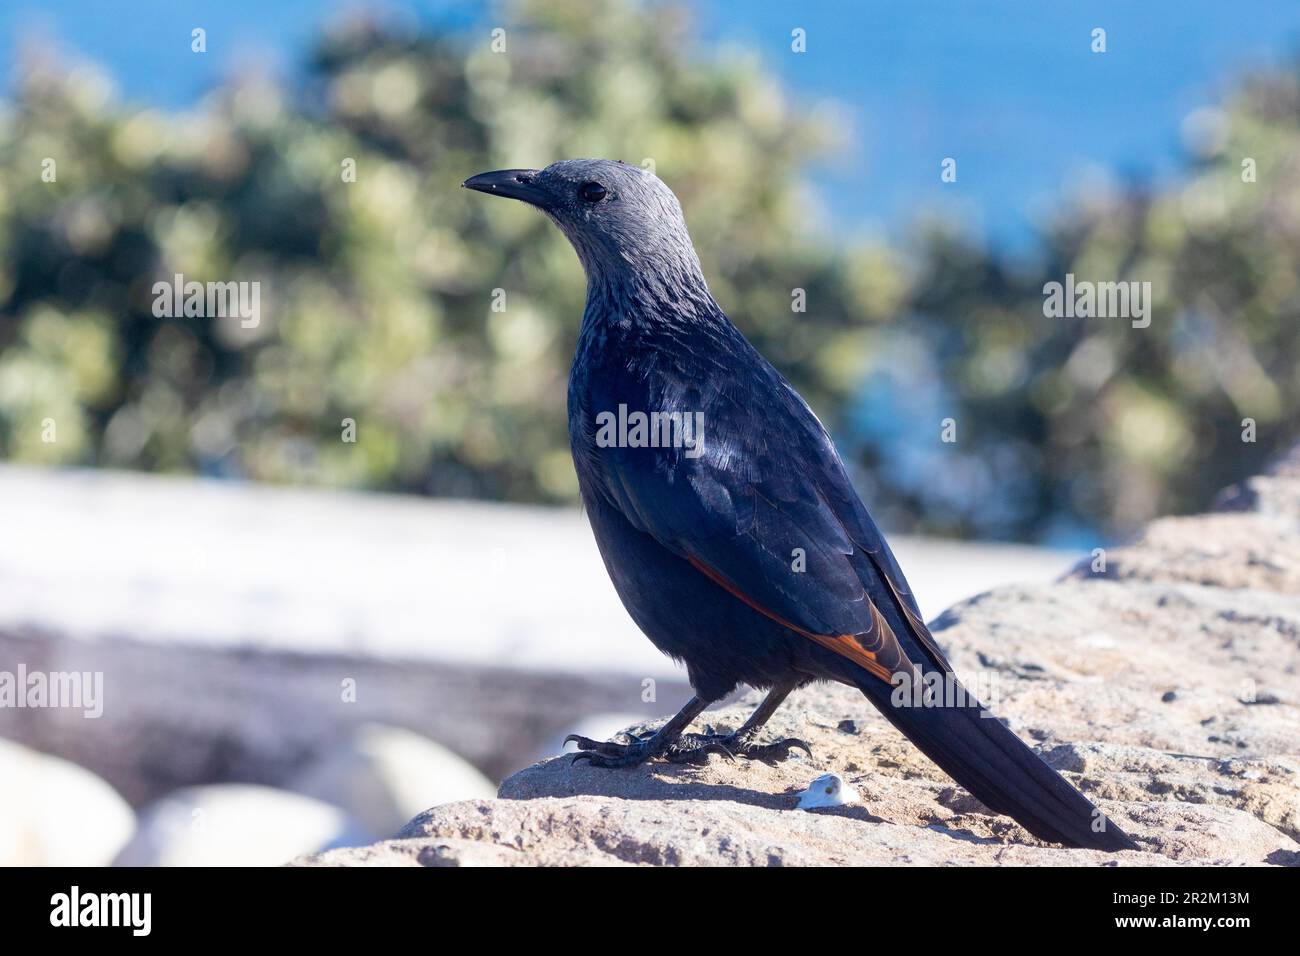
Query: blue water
column 1009, row 88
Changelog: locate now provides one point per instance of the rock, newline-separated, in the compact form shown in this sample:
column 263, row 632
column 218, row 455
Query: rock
column 1276, row 492
column 245, row 664
column 383, row 776
column 593, row 831
column 235, row 825
column 1165, row 687
column 1239, row 551
column 1250, row 543
column 558, row 813
column 54, row 813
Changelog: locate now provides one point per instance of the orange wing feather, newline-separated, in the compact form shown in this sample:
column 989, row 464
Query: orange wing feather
column 846, row 645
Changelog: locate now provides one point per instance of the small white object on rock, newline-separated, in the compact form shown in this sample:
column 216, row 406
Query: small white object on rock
column 828, row 790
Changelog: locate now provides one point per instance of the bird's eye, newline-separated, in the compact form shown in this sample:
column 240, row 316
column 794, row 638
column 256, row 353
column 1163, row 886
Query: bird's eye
column 591, row 192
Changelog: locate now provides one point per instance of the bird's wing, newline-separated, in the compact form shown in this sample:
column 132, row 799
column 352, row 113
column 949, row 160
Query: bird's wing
column 766, row 510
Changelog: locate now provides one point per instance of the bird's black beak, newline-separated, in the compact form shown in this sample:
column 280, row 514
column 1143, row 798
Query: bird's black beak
column 513, row 183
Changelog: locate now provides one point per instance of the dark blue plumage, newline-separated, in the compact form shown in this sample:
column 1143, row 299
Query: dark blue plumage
column 748, row 556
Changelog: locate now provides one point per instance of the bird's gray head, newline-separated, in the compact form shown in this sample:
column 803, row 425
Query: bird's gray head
column 622, row 220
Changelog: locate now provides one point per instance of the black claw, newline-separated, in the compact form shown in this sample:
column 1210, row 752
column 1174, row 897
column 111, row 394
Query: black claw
column 607, row 753
column 793, row 742
column 720, row 749
column 699, row 753
column 607, row 747
column 595, row 759
column 777, row 750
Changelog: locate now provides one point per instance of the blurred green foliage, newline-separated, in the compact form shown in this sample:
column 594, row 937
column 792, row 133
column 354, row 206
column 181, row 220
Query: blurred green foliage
column 377, row 294
column 1090, row 422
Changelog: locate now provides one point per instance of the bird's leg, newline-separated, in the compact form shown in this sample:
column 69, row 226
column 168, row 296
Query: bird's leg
column 609, row 754
column 695, row 748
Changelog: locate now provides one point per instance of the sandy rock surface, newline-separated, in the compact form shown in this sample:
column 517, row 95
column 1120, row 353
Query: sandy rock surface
column 1163, row 684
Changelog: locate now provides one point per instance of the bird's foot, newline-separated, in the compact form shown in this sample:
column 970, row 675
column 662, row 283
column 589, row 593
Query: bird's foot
column 695, row 748
column 688, row 748
column 608, row 753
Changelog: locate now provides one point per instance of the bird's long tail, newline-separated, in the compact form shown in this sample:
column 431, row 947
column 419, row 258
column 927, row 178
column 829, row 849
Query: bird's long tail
column 990, row 761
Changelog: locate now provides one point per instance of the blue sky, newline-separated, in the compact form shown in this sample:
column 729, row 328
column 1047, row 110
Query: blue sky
column 1009, row 88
